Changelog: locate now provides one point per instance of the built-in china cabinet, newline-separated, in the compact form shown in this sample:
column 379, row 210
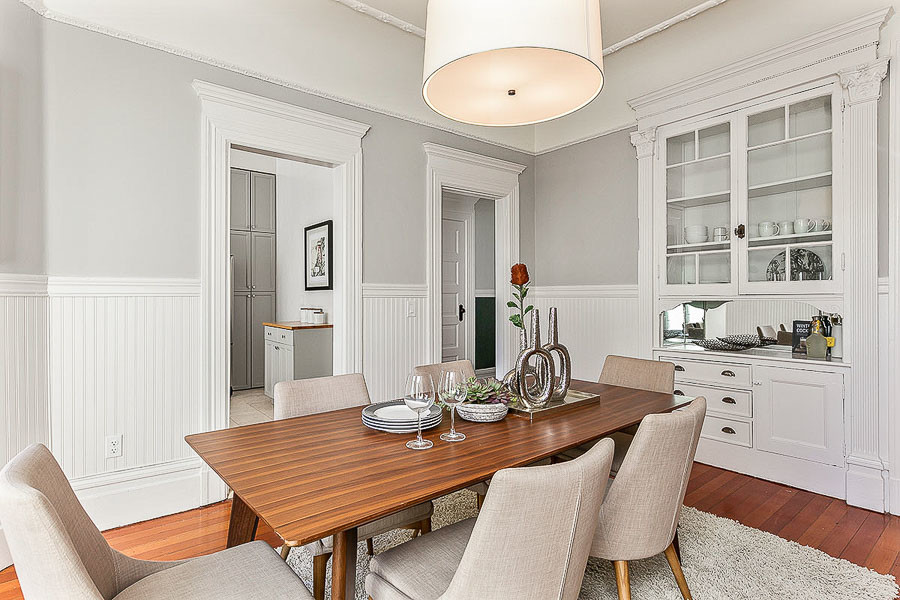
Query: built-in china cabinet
column 758, row 194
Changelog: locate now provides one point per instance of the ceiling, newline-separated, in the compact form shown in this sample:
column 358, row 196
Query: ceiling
column 620, row 19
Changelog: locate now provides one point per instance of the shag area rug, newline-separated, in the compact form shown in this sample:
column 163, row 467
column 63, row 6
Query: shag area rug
column 722, row 560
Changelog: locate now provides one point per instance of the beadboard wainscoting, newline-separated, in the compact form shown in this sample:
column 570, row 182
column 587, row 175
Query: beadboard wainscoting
column 395, row 339
column 24, row 404
column 594, row 321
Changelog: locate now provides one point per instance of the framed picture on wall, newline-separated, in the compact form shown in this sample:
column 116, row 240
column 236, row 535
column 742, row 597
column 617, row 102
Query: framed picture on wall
column 317, row 255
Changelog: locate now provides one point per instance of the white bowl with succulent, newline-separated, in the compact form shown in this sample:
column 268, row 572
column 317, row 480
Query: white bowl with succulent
column 486, row 401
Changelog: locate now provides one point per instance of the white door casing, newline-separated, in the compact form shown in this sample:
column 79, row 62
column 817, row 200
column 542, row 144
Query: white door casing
column 484, row 177
column 231, row 117
column 457, row 285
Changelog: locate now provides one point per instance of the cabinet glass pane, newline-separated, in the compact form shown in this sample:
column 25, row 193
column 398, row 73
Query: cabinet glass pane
column 803, row 213
column 680, row 149
column 808, row 158
column 809, row 116
column 714, row 141
column 765, row 127
column 699, row 178
column 811, row 263
column 690, row 223
column 715, row 267
column 766, row 264
column 681, row 269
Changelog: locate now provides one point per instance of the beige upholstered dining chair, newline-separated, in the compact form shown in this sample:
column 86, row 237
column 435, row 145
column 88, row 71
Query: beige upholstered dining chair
column 637, row 373
column 550, row 527
column 59, row 552
column 639, row 516
column 322, row 394
column 468, row 371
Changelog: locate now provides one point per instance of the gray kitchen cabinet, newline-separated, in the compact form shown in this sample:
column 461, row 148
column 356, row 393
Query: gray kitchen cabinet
column 262, row 310
column 296, row 352
column 240, row 349
column 240, row 251
column 262, row 257
column 262, row 204
column 240, row 199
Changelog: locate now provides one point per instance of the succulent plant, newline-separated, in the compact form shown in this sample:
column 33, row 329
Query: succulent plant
column 486, row 391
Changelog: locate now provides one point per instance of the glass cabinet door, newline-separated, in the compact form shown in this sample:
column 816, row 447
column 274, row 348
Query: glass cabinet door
column 788, row 216
column 698, row 211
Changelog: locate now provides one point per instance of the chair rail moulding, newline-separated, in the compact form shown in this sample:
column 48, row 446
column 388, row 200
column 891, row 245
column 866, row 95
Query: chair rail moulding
column 841, row 62
column 486, row 177
column 232, row 117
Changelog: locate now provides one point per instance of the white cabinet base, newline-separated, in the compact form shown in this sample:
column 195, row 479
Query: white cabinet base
column 804, row 474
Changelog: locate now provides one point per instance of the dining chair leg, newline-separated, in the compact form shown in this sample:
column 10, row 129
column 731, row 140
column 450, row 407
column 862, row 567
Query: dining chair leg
column 285, row 550
column 677, row 546
column 480, row 501
column 675, row 564
column 425, row 526
column 622, row 582
column 370, row 547
column 320, row 565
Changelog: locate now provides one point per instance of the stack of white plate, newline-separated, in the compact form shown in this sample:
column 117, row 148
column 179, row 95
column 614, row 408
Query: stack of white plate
column 395, row 417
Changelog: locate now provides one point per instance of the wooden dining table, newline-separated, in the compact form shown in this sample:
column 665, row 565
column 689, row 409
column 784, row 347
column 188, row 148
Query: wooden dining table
column 326, row 474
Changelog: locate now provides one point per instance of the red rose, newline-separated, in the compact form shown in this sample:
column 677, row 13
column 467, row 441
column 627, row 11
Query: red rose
column 519, row 274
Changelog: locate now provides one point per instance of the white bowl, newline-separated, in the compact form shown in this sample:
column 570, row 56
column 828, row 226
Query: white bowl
column 696, row 238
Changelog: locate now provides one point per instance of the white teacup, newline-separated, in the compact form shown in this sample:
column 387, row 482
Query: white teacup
column 786, row 228
column 804, row 225
column 768, row 229
column 821, row 224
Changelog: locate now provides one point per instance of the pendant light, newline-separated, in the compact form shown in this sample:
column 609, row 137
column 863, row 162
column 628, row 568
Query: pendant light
column 511, row 62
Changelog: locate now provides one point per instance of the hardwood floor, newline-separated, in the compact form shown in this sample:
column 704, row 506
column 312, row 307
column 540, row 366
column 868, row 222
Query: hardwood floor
column 863, row 537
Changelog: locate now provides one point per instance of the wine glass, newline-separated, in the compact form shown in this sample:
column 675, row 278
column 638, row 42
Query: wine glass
column 419, row 398
column 453, row 391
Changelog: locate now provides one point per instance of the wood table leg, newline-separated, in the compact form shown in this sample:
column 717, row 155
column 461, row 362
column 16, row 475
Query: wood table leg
column 343, row 565
column 242, row 525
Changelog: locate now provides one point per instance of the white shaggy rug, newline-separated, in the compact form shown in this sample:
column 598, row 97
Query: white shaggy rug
column 722, row 560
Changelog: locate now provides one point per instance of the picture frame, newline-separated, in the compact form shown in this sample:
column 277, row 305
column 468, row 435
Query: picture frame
column 317, row 256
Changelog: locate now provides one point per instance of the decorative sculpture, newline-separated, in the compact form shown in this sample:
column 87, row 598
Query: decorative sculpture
column 565, row 362
column 535, row 385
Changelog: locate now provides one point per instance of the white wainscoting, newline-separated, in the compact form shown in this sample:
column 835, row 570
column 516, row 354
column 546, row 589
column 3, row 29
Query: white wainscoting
column 393, row 341
column 24, row 404
column 594, row 321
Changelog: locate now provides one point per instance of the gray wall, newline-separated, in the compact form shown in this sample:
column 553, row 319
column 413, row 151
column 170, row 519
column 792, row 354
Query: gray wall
column 586, row 228
column 123, row 152
column 484, row 244
column 21, row 140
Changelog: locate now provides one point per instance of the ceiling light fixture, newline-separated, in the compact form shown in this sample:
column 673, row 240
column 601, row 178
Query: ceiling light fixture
column 511, row 62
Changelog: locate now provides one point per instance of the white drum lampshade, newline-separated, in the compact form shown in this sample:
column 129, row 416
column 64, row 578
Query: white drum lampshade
column 511, row 62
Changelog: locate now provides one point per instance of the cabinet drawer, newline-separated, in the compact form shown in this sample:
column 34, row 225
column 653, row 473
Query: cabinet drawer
column 282, row 336
column 729, row 402
column 727, row 430
column 710, row 372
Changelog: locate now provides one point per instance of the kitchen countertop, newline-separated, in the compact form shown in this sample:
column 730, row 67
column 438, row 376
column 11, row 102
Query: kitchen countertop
column 779, row 353
column 295, row 325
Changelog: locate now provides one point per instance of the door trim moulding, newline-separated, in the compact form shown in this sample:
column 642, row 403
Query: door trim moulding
column 485, row 177
column 232, row 117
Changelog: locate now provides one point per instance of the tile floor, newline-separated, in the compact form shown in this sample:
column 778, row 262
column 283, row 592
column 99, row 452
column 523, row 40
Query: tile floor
column 251, row 406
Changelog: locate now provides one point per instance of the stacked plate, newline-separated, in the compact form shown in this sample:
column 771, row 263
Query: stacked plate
column 395, row 417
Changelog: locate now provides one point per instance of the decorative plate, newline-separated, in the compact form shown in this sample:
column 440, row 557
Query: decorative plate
column 396, row 411
column 803, row 261
column 747, row 340
column 719, row 345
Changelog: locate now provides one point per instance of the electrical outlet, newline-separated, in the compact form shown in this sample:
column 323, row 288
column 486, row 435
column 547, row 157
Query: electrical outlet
column 114, row 446
column 410, row 308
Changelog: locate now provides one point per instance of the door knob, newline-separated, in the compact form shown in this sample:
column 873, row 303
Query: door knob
column 462, row 311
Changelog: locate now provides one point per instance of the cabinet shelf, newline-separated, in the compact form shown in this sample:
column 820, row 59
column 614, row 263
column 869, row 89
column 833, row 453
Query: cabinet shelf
column 706, row 247
column 698, row 160
column 789, row 140
column 795, row 184
column 781, row 240
column 691, row 249
column 701, row 199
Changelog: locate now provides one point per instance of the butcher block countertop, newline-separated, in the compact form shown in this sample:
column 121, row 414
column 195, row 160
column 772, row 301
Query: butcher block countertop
column 294, row 325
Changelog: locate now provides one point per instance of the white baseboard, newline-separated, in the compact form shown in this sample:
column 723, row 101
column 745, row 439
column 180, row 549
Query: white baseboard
column 134, row 495
column 894, row 495
column 865, row 487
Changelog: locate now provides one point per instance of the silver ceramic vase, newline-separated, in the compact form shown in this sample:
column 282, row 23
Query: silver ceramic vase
column 535, row 383
column 565, row 362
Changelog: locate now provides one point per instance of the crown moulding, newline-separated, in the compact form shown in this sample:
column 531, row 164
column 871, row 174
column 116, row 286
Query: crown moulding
column 362, row 7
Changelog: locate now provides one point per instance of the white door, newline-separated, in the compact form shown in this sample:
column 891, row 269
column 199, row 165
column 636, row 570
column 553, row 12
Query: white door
column 799, row 413
column 454, row 288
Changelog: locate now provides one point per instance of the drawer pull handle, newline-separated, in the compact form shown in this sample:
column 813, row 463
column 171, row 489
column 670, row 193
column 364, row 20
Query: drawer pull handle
column 729, row 400
column 728, row 430
column 728, row 373
column 679, row 368
column 679, row 393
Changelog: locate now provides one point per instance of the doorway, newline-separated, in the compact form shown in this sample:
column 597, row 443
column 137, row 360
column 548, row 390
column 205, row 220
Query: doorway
column 467, row 281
